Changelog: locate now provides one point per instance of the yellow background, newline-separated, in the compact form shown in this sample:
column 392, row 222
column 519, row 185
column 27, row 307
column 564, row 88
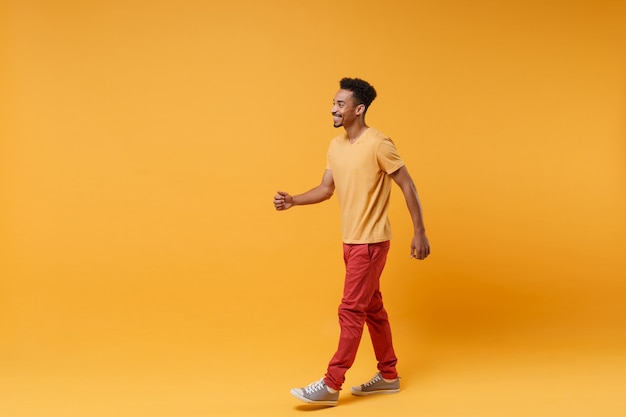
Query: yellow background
column 144, row 271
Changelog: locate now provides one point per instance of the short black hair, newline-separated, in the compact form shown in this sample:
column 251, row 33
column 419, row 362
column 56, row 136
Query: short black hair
column 362, row 91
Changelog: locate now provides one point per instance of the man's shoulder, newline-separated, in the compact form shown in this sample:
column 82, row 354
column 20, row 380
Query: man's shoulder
column 380, row 140
column 339, row 138
column 377, row 134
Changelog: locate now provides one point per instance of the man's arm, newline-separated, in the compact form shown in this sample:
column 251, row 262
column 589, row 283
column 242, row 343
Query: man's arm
column 283, row 200
column 420, row 248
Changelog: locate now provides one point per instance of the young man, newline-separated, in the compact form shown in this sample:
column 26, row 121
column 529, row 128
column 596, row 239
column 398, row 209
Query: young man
column 361, row 164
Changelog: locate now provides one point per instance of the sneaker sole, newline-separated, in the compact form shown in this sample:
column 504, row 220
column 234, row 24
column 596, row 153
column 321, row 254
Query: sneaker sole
column 309, row 401
column 382, row 391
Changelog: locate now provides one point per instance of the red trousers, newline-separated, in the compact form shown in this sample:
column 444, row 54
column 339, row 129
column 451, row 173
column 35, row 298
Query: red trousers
column 362, row 303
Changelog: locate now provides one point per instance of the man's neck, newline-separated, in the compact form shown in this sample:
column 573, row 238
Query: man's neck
column 355, row 131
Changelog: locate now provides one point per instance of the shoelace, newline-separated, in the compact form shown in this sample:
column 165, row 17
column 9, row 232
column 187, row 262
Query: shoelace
column 315, row 386
column 373, row 380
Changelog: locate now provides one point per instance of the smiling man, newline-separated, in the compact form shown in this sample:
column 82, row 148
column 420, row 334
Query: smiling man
column 361, row 165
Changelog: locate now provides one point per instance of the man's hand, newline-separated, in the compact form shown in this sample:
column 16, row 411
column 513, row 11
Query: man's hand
column 283, row 201
column 420, row 248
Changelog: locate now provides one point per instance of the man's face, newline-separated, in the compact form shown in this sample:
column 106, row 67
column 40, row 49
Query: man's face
column 345, row 110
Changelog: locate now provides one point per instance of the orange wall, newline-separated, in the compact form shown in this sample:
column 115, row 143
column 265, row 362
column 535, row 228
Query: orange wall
column 143, row 142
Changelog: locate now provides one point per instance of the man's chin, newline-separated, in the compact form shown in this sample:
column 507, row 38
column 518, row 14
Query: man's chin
column 337, row 125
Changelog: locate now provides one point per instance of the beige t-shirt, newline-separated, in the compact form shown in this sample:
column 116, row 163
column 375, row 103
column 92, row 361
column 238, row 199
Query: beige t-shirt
column 363, row 185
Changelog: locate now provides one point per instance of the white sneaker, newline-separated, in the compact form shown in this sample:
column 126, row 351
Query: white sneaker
column 377, row 385
column 316, row 393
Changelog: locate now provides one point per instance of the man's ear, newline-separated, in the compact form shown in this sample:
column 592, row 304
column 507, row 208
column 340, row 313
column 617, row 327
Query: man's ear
column 360, row 109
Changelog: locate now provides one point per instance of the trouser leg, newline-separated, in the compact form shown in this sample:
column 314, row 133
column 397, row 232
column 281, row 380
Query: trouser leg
column 362, row 302
column 380, row 334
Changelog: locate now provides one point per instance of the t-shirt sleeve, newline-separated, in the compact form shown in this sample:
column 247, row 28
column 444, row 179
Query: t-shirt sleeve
column 388, row 158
